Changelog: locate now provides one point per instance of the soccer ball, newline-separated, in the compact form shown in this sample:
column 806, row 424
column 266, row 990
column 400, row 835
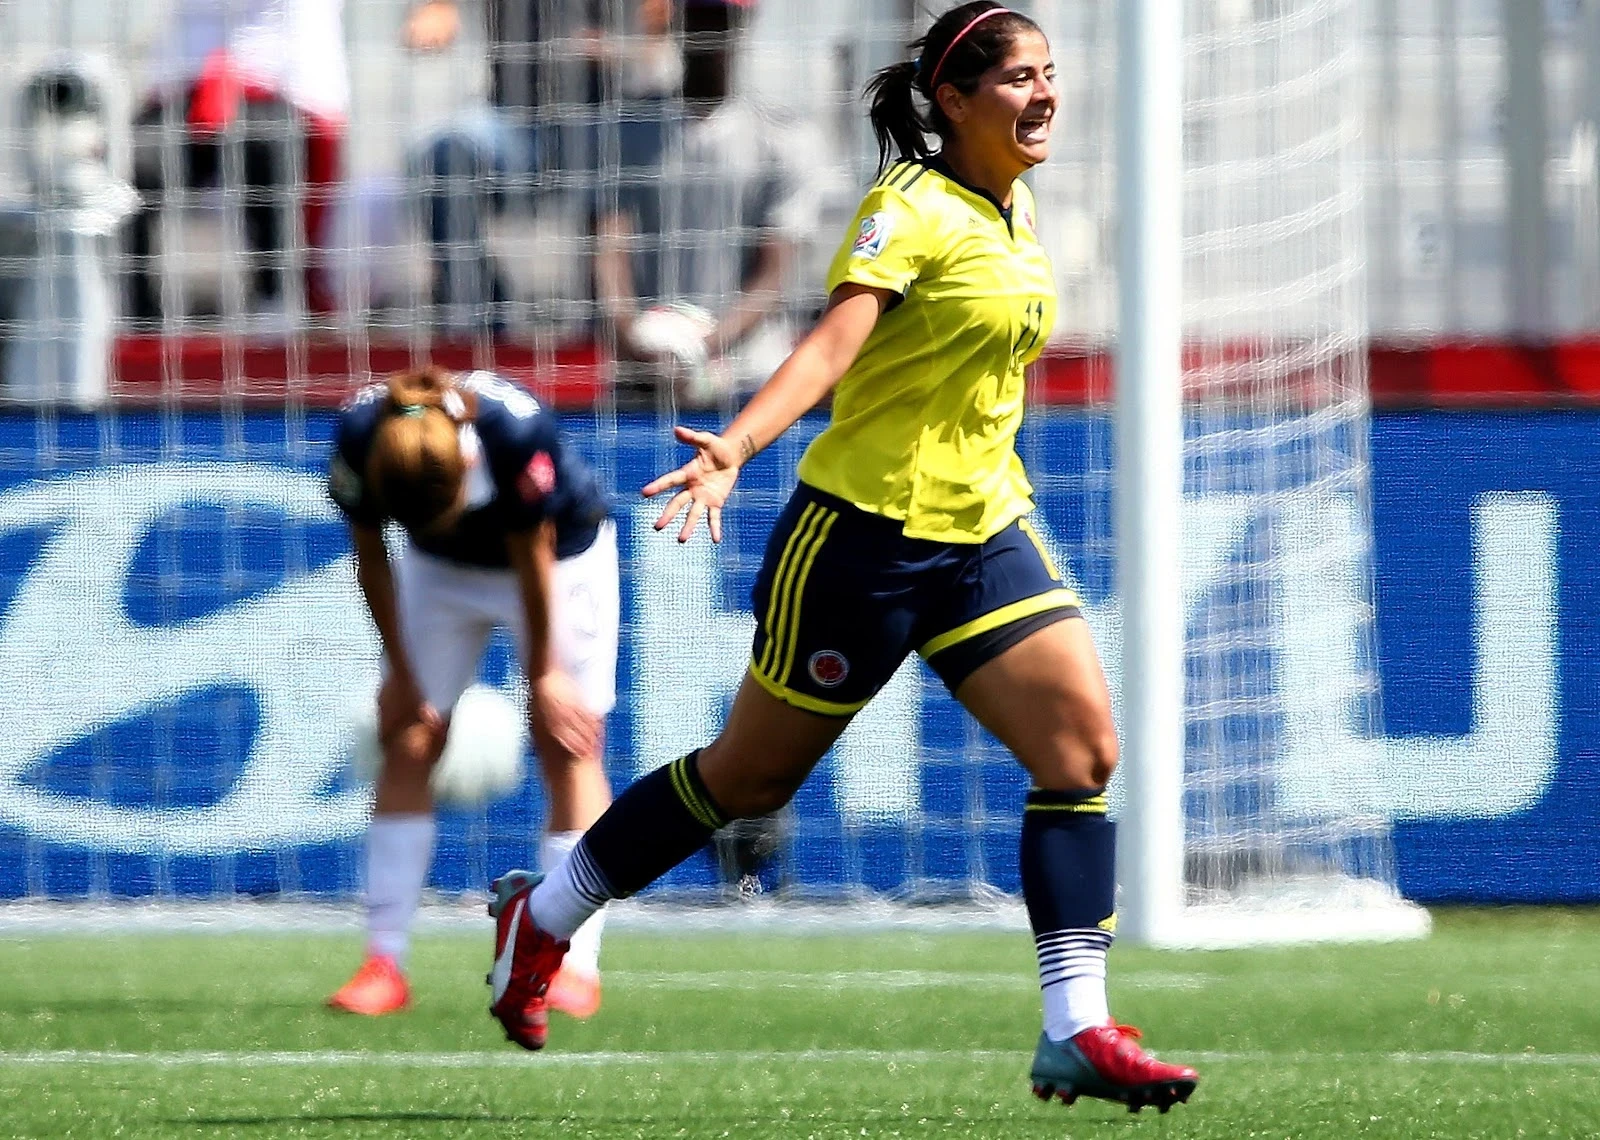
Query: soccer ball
column 482, row 758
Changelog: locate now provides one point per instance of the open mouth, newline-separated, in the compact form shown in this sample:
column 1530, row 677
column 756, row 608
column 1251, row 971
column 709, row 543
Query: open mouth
column 1032, row 129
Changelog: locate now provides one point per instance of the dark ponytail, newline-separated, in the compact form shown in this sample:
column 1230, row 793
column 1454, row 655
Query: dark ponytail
column 959, row 51
column 895, row 116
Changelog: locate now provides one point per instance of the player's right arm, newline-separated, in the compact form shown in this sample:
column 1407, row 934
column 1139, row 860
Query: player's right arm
column 376, row 579
column 401, row 700
column 883, row 254
column 879, row 260
column 809, row 373
column 400, row 703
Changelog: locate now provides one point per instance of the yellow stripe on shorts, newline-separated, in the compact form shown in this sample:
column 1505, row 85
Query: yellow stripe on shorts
column 773, row 656
column 1038, row 544
column 800, row 593
column 805, row 701
column 1056, row 599
column 779, row 575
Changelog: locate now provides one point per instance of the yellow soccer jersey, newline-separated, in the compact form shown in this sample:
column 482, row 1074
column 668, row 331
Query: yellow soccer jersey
column 925, row 421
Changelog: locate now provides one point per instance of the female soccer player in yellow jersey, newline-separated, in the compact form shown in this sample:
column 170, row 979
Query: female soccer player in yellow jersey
column 908, row 531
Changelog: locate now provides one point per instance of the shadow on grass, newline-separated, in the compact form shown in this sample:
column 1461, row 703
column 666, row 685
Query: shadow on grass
column 776, row 1127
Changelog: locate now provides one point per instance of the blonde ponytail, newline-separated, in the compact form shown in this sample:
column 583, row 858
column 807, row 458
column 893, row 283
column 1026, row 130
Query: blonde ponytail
column 416, row 466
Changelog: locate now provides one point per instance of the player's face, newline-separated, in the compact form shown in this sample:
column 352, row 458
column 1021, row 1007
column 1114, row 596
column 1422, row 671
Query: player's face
column 1011, row 113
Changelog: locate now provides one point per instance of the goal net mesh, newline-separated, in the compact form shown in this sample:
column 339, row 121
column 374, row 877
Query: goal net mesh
column 204, row 252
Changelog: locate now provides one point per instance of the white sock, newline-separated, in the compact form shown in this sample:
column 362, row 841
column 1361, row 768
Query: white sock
column 569, row 895
column 399, row 851
column 585, row 952
column 1072, row 980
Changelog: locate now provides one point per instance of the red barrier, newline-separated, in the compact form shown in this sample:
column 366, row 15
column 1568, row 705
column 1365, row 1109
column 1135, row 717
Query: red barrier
column 321, row 371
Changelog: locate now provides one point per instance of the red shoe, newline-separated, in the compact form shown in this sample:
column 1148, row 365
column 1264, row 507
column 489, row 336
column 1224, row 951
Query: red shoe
column 525, row 960
column 574, row 992
column 1106, row 1062
column 378, row 987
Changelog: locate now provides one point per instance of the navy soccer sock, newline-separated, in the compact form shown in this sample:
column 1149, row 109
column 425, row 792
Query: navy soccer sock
column 1069, row 883
column 657, row 823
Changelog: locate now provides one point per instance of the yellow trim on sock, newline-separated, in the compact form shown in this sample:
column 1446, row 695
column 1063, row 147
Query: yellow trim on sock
column 696, row 806
column 675, row 774
column 707, row 814
column 1057, row 599
column 1096, row 806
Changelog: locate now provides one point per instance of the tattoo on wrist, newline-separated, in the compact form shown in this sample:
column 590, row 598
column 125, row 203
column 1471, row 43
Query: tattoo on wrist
column 747, row 449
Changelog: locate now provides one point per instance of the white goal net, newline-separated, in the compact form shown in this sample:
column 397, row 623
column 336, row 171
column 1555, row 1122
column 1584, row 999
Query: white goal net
column 218, row 221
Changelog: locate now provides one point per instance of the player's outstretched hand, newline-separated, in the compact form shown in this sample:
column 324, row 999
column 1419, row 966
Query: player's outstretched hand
column 560, row 713
column 706, row 481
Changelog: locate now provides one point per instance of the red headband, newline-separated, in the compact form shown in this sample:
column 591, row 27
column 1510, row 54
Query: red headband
column 933, row 80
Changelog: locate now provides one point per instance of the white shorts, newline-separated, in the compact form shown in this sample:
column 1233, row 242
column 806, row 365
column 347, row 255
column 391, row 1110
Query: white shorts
column 448, row 610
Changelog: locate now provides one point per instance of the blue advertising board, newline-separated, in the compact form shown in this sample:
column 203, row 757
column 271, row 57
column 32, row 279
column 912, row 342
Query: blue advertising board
column 1482, row 620
column 186, row 659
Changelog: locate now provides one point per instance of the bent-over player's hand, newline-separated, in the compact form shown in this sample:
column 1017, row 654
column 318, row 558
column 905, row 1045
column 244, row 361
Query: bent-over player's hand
column 560, row 713
column 400, row 705
column 706, row 481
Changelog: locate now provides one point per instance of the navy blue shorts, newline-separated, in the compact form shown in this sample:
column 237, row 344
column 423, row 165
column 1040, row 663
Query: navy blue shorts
column 844, row 597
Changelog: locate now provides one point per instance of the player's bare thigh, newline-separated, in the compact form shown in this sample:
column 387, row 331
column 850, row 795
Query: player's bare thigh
column 1046, row 700
column 765, row 751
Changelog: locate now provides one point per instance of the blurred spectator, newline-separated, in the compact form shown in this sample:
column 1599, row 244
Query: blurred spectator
column 57, row 294
column 250, row 95
column 696, row 235
column 557, row 77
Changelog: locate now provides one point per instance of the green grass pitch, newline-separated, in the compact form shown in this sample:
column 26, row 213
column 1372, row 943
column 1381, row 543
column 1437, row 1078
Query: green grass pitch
column 1489, row 1029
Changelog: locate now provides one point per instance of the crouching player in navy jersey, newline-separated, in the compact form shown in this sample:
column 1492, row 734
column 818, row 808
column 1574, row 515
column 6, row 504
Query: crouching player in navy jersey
column 504, row 526
column 908, row 532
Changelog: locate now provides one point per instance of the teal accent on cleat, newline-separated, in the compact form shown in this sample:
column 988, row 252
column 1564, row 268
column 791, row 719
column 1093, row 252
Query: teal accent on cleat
column 1104, row 1062
column 1061, row 1068
column 508, row 885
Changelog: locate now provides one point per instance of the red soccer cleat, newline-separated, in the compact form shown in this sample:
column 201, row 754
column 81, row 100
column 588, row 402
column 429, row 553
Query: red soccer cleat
column 525, row 961
column 378, row 987
column 574, row 992
column 1106, row 1062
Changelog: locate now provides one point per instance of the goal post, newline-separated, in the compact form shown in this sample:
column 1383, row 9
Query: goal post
column 1240, row 382
column 1148, row 483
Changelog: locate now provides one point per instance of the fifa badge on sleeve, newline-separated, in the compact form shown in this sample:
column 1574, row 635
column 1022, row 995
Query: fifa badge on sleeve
column 872, row 236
